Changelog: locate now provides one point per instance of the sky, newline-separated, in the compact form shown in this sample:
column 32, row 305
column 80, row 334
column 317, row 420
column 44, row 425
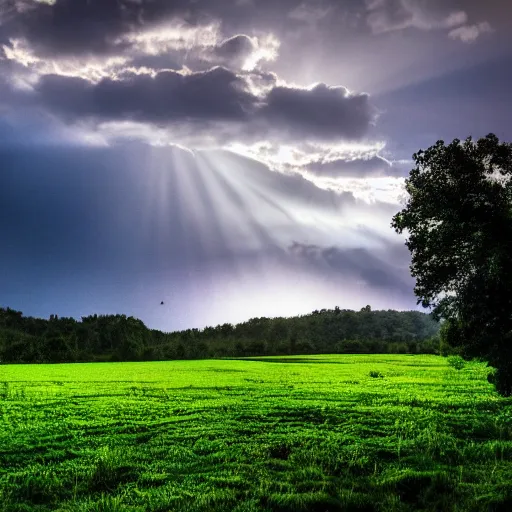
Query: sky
column 231, row 158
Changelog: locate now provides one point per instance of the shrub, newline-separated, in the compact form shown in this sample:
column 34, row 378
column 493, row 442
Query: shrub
column 456, row 362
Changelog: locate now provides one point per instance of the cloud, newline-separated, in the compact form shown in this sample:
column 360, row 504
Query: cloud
column 174, row 35
column 323, row 112
column 470, row 33
column 83, row 29
column 20, row 61
column 168, row 96
column 288, row 193
column 239, row 52
column 391, row 15
column 357, row 168
column 75, row 27
column 346, row 159
column 248, row 106
column 238, row 47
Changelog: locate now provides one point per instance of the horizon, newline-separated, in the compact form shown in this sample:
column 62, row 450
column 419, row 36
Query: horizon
column 234, row 159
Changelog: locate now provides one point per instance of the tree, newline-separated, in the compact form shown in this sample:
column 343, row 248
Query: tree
column 458, row 217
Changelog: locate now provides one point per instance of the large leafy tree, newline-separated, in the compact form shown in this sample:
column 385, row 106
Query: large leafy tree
column 458, row 219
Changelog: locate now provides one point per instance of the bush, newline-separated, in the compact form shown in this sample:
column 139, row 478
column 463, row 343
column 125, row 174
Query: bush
column 456, row 362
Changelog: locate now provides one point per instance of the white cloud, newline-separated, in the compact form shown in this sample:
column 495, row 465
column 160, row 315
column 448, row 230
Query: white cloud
column 300, row 156
column 371, row 177
column 176, row 45
column 175, row 35
column 470, row 33
column 89, row 68
column 266, row 49
column 385, row 189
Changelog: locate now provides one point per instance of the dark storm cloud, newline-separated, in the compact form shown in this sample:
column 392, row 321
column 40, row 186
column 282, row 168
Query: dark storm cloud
column 101, row 27
column 322, row 112
column 372, row 267
column 75, row 27
column 84, row 26
column 215, row 94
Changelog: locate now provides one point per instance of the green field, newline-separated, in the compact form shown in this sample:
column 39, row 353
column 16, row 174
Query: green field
column 309, row 433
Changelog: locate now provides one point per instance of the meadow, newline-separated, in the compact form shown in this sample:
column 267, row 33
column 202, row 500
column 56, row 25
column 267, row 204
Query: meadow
column 305, row 433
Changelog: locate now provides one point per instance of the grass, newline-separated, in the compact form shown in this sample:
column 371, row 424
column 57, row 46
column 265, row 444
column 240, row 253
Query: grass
column 327, row 433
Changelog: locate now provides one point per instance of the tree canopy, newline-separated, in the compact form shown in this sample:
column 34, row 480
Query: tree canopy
column 458, row 218
column 121, row 338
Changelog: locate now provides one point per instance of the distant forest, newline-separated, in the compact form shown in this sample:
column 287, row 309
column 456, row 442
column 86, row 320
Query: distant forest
column 121, row 338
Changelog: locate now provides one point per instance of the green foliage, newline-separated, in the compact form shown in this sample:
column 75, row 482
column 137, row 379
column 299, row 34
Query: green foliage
column 458, row 218
column 121, row 338
column 310, row 433
column 456, row 362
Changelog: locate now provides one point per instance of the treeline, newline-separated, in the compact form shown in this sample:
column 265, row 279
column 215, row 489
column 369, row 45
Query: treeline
column 121, row 338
